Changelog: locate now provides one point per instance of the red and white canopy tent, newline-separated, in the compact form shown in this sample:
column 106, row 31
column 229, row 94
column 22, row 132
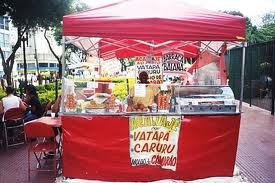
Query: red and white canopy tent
column 149, row 27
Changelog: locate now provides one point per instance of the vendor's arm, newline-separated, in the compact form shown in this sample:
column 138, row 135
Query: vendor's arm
column 130, row 100
column 55, row 107
column 156, row 91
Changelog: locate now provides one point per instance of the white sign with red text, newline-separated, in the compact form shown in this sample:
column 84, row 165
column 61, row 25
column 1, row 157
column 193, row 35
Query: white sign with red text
column 154, row 140
column 174, row 62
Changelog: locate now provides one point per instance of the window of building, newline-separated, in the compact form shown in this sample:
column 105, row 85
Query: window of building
column 43, row 64
column 2, row 40
column 4, row 22
column 20, row 66
column 31, row 65
column 52, row 65
column 1, row 22
column 6, row 40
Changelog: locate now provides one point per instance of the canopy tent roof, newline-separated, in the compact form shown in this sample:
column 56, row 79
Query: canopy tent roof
column 155, row 20
column 131, row 48
column 107, row 48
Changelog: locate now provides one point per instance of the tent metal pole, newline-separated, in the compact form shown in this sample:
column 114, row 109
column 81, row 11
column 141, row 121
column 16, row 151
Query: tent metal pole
column 75, row 40
column 242, row 78
column 99, row 69
column 208, row 46
column 273, row 78
column 63, row 75
column 63, row 57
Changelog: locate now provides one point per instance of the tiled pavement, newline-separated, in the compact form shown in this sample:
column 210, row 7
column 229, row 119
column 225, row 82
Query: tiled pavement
column 255, row 157
column 14, row 167
column 256, row 148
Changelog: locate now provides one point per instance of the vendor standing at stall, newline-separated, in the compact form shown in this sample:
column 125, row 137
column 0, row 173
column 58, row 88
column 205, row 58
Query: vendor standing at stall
column 142, row 104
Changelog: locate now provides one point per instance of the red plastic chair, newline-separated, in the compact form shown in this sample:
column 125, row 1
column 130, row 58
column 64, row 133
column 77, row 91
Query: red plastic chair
column 14, row 119
column 34, row 130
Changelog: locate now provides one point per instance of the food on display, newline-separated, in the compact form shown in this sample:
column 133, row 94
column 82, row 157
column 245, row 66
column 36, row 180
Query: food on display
column 163, row 101
column 70, row 102
column 80, row 106
column 136, row 108
column 88, row 92
column 110, row 102
column 93, row 105
column 102, row 95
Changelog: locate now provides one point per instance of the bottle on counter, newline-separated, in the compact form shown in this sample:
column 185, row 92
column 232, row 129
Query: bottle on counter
column 173, row 101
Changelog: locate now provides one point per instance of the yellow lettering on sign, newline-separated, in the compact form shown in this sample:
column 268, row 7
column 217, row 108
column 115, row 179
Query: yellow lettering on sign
column 154, row 121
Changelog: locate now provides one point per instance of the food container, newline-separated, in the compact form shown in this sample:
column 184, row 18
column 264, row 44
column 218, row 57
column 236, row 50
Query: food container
column 154, row 107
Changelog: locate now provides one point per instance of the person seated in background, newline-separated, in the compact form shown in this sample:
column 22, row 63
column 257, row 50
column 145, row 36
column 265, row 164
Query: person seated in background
column 10, row 101
column 35, row 109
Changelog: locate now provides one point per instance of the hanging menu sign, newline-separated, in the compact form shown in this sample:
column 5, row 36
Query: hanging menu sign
column 173, row 62
column 144, row 59
column 153, row 69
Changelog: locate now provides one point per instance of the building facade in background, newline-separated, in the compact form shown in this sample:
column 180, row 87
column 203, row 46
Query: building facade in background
column 38, row 55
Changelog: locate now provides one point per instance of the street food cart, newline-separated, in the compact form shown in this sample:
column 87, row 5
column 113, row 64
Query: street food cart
column 190, row 132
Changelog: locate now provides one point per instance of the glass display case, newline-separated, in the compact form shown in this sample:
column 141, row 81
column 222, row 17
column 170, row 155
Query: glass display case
column 106, row 97
column 205, row 99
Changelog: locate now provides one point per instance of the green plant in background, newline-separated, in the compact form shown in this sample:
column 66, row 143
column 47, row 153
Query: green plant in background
column 120, row 89
column 266, row 68
column 2, row 93
column 47, row 92
column 48, row 96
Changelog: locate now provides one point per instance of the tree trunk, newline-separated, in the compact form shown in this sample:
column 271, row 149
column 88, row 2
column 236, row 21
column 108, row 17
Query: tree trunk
column 9, row 78
column 8, row 64
column 60, row 70
column 54, row 54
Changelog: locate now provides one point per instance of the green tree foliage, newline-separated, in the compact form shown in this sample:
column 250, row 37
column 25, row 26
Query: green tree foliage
column 251, row 30
column 27, row 15
column 267, row 29
column 263, row 33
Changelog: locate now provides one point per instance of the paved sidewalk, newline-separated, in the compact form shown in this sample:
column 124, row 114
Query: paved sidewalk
column 256, row 148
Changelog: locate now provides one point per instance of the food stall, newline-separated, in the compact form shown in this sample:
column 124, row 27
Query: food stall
column 189, row 132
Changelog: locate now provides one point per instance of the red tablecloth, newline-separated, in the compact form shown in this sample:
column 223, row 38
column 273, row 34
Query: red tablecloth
column 98, row 148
